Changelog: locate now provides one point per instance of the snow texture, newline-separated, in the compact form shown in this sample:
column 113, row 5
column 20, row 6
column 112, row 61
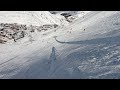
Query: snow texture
column 88, row 48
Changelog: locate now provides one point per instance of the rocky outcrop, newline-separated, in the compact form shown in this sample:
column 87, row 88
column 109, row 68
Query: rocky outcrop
column 16, row 31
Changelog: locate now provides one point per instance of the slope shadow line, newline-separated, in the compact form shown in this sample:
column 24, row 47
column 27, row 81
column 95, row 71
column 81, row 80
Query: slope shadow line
column 107, row 40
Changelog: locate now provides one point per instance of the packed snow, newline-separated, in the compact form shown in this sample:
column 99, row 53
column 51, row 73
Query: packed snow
column 87, row 48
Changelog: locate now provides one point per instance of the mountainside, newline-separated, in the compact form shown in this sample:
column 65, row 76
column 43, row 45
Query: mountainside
column 15, row 25
column 30, row 17
column 70, row 15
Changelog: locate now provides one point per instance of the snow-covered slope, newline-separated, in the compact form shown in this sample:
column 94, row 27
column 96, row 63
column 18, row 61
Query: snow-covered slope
column 73, row 14
column 30, row 17
column 87, row 48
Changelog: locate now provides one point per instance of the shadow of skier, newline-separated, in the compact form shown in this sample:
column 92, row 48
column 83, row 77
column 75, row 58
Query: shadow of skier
column 52, row 62
column 53, row 56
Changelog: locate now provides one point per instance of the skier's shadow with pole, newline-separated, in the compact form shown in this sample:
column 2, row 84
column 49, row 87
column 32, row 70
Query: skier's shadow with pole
column 52, row 61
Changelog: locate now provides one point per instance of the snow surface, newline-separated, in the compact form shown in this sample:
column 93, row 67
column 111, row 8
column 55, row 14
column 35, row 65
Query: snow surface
column 87, row 48
column 31, row 18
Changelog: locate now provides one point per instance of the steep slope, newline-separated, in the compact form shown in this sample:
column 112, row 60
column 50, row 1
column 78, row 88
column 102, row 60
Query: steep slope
column 87, row 48
column 15, row 25
column 70, row 15
column 29, row 17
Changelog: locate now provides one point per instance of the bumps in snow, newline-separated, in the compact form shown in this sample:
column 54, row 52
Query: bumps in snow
column 11, row 31
column 16, row 31
column 69, row 17
column 66, row 15
column 47, row 27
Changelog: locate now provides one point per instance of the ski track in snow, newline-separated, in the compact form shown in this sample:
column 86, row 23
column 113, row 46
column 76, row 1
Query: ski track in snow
column 93, row 53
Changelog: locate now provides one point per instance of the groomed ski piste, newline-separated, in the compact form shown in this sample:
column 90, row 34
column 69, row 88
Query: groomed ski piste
column 88, row 48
